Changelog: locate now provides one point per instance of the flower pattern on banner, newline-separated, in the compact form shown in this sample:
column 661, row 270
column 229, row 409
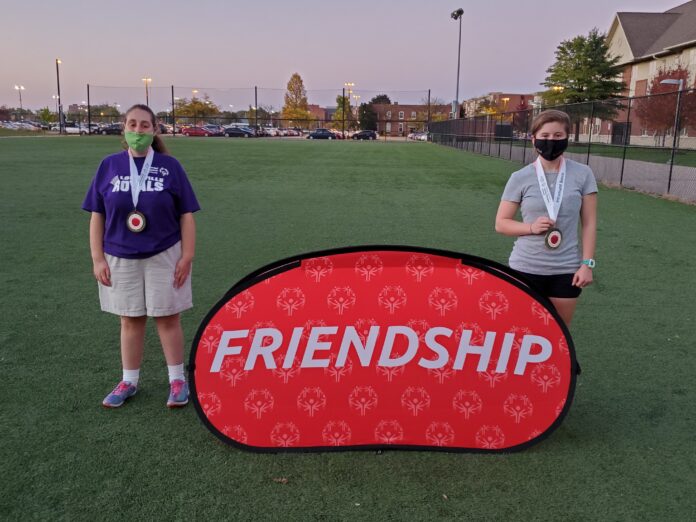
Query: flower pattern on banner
column 369, row 266
column 241, row 304
column 318, row 268
column 420, row 266
column 336, row 433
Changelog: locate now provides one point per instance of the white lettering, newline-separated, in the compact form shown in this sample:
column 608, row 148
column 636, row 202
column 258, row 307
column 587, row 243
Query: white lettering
column 266, row 352
column 525, row 352
column 441, row 351
column 392, row 332
column 505, row 353
column 364, row 352
column 465, row 348
column 292, row 348
column 224, row 349
column 313, row 345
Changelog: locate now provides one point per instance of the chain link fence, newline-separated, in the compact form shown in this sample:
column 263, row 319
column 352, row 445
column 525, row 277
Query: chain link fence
column 403, row 113
column 645, row 143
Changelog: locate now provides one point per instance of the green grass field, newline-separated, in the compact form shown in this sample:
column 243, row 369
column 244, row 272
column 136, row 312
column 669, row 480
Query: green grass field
column 626, row 451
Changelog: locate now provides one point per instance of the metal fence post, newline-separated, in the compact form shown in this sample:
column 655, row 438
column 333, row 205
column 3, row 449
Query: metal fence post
column 674, row 141
column 173, row 114
column 589, row 142
column 89, row 113
column 428, row 124
column 256, row 108
column 343, row 113
column 526, row 133
column 626, row 141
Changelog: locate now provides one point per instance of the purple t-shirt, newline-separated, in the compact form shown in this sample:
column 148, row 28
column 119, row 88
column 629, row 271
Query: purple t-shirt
column 166, row 195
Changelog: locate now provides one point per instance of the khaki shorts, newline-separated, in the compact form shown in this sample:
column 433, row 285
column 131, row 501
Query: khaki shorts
column 145, row 286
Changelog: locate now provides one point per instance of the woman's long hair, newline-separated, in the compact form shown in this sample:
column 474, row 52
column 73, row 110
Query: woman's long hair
column 157, row 143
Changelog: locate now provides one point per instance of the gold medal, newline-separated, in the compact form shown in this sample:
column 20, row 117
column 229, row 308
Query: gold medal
column 136, row 221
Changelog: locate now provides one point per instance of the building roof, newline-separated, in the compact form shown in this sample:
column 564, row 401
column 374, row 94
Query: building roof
column 655, row 33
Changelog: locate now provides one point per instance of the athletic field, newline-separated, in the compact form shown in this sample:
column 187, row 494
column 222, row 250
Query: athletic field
column 626, row 451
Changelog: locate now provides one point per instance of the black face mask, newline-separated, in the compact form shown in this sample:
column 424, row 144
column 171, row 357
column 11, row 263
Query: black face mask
column 550, row 149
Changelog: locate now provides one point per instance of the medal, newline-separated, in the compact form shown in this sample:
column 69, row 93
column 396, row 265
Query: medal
column 553, row 238
column 136, row 221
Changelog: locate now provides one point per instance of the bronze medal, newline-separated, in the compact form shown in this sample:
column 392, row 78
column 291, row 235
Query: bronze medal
column 553, row 238
column 136, row 221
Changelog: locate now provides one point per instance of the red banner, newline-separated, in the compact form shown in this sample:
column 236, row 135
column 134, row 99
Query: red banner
column 382, row 347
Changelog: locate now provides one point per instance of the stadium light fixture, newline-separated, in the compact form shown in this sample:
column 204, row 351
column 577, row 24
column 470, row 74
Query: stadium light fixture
column 672, row 81
column 457, row 15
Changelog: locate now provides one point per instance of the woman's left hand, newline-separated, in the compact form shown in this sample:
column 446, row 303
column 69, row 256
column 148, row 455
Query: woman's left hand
column 583, row 277
column 181, row 272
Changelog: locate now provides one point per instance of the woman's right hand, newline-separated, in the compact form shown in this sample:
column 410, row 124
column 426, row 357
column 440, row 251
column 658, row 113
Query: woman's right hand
column 541, row 224
column 102, row 272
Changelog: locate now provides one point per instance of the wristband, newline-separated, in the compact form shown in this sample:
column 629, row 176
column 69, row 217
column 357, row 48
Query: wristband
column 589, row 262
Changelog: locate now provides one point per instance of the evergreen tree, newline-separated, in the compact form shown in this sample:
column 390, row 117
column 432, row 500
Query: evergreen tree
column 583, row 72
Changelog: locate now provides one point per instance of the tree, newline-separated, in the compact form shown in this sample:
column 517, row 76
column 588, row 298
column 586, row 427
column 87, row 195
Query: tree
column 656, row 112
column 196, row 107
column 583, row 72
column 343, row 104
column 367, row 116
column 380, row 99
column 46, row 116
column 296, row 109
column 105, row 110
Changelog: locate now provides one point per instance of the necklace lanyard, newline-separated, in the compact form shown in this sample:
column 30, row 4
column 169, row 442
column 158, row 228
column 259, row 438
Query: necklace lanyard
column 137, row 180
column 553, row 204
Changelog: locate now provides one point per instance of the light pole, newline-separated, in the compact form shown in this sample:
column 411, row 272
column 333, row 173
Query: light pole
column 19, row 89
column 55, row 99
column 457, row 15
column 60, row 105
column 680, row 85
column 147, row 81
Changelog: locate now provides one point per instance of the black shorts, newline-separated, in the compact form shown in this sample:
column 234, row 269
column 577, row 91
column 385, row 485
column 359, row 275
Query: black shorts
column 560, row 285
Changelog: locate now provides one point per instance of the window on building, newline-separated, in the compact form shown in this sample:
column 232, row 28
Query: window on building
column 413, row 115
column 401, row 115
column 401, row 127
column 388, row 127
column 388, row 115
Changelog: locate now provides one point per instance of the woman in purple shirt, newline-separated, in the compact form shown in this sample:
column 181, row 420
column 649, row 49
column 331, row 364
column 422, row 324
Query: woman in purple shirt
column 142, row 239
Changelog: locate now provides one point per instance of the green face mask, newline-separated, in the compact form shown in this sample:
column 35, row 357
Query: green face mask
column 139, row 141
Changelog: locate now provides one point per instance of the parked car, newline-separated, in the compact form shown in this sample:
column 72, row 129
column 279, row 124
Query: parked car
column 214, row 130
column 111, row 128
column 74, row 129
column 238, row 132
column 321, row 134
column 365, row 135
column 195, row 131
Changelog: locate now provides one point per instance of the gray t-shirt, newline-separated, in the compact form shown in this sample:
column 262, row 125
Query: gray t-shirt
column 529, row 253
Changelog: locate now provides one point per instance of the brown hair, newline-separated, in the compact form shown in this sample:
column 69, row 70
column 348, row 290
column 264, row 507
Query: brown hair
column 157, row 143
column 549, row 116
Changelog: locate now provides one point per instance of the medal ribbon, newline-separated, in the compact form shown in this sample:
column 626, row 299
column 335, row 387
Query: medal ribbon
column 137, row 180
column 553, row 204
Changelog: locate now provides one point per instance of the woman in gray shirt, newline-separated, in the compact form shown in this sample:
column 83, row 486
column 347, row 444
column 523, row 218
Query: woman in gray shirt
column 557, row 197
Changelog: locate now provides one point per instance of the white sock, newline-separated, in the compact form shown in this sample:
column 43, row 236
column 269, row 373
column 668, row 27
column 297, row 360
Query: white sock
column 131, row 376
column 176, row 372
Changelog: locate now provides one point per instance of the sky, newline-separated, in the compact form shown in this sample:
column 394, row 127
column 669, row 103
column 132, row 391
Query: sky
column 225, row 48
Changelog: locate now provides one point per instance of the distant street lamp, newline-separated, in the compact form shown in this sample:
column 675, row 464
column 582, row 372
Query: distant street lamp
column 147, row 82
column 19, row 89
column 457, row 15
column 60, row 105
column 669, row 81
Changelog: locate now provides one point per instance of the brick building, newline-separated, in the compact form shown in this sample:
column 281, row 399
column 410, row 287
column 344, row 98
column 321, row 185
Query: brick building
column 503, row 102
column 399, row 120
